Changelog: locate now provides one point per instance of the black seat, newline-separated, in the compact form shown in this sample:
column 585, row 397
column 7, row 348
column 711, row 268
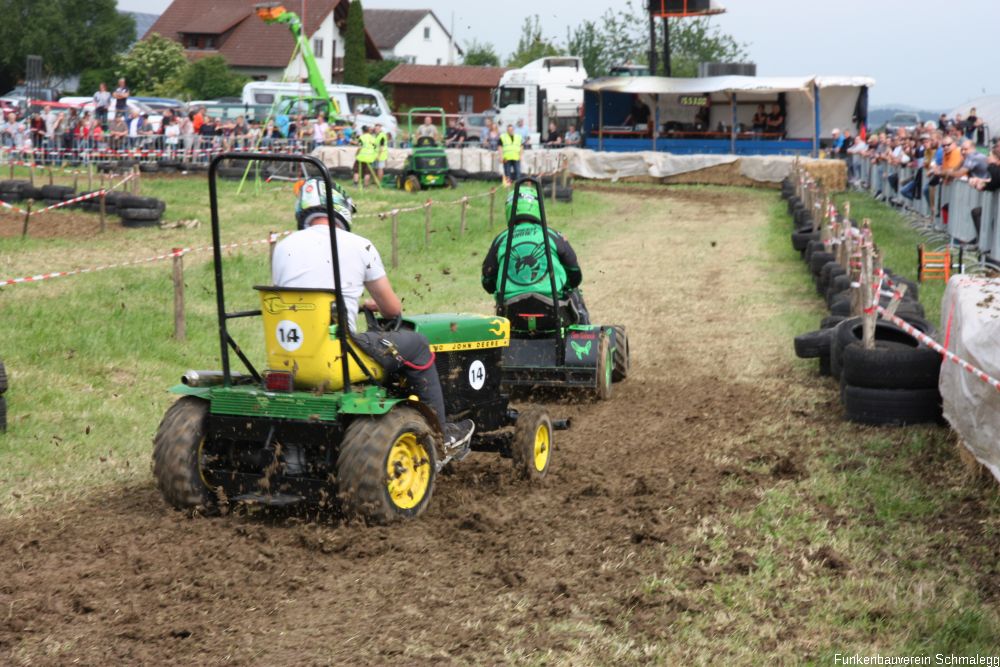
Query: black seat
column 426, row 141
column 531, row 313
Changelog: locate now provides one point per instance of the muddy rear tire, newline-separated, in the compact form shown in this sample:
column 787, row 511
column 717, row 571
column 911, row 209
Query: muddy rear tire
column 177, row 451
column 605, row 368
column 621, row 356
column 387, row 466
column 531, row 448
column 3, row 378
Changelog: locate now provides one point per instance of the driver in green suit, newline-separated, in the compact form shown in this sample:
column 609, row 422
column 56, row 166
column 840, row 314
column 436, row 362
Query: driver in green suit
column 528, row 273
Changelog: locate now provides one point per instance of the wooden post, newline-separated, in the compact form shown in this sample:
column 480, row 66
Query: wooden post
column 272, row 241
column 31, row 173
column 465, row 205
column 50, row 175
column 76, row 180
column 137, row 181
column 101, row 180
column 104, row 212
column 553, row 177
column 27, row 216
column 493, row 196
column 427, row 224
column 897, row 298
column 90, row 176
column 869, row 315
column 12, row 167
column 395, row 237
column 178, row 276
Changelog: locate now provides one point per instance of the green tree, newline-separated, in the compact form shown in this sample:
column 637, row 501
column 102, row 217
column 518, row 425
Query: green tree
column 211, row 77
column 532, row 45
column 90, row 79
column 377, row 69
column 623, row 35
column 355, row 65
column 481, row 54
column 694, row 41
column 69, row 35
column 155, row 66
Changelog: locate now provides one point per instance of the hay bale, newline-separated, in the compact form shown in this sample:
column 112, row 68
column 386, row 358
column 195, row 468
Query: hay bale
column 831, row 173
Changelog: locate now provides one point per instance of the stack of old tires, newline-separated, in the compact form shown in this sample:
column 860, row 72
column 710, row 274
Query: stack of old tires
column 136, row 211
column 896, row 383
column 15, row 190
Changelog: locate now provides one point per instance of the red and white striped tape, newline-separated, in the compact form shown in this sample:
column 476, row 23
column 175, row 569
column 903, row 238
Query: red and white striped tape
column 75, row 200
column 937, row 347
column 145, row 260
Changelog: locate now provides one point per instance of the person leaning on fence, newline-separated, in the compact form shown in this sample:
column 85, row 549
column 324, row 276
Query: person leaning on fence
column 991, row 183
column 510, row 154
column 776, row 121
column 304, row 260
column 529, row 274
column 365, row 157
column 121, row 95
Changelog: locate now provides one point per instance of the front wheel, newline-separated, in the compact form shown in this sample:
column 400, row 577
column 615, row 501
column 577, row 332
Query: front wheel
column 387, row 466
column 451, row 181
column 412, row 183
column 532, row 445
column 177, row 455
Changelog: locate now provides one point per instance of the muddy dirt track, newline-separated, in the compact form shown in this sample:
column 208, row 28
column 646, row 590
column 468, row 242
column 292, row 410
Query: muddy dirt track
column 497, row 571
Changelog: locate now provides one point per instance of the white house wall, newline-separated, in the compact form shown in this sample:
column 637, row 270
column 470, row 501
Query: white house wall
column 413, row 48
column 329, row 33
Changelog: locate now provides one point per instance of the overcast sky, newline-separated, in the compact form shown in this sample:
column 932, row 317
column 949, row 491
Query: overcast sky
column 924, row 53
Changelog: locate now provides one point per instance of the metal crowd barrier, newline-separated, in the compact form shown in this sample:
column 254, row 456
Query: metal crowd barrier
column 945, row 209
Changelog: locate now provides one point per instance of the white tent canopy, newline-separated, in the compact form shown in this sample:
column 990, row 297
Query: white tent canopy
column 838, row 97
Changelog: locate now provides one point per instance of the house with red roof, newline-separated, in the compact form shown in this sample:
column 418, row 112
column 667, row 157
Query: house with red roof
column 262, row 51
column 455, row 88
column 414, row 36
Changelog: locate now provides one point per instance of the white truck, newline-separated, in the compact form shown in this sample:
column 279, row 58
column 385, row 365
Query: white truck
column 547, row 89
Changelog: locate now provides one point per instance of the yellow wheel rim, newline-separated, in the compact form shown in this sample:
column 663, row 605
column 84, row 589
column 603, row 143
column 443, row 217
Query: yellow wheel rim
column 409, row 185
column 408, row 470
column 542, row 447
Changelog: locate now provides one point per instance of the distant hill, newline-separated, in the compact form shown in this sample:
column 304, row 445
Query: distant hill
column 143, row 22
column 878, row 116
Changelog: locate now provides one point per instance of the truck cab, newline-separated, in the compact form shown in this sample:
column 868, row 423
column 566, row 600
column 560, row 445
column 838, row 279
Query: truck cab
column 547, row 89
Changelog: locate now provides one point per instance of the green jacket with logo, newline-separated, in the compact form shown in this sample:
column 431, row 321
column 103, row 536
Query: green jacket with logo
column 529, row 271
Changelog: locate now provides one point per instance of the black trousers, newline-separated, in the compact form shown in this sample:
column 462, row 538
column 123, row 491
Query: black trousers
column 413, row 348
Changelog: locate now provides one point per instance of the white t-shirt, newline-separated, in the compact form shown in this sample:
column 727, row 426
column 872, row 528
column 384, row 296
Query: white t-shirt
column 304, row 260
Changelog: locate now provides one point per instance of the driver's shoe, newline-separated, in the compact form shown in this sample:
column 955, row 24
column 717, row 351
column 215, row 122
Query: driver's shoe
column 458, row 438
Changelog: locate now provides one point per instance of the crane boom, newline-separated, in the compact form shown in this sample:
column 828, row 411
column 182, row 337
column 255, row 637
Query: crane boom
column 273, row 12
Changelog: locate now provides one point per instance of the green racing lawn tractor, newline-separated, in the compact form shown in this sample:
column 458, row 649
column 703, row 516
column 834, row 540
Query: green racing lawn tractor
column 318, row 424
column 427, row 165
column 548, row 346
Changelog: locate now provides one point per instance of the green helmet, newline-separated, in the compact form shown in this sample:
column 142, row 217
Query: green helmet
column 527, row 204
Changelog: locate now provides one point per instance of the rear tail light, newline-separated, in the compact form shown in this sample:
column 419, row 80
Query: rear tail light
column 278, row 381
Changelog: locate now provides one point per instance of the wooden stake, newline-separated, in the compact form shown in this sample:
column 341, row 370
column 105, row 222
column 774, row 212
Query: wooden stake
column 50, row 176
column 395, row 237
column 31, row 173
column 138, row 180
column 27, row 216
column 90, row 176
column 180, row 332
column 465, row 205
column 897, row 299
column 272, row 241
column 103, row 212
column 76, row 180
column 427, row 224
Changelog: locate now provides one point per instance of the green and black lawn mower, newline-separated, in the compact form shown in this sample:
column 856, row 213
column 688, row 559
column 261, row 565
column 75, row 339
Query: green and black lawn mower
column 549, row 347
column 319, row 424
column 427, row 165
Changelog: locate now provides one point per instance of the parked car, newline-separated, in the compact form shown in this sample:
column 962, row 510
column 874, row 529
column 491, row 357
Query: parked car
column 475, row 125
column 906, row 121
column 20, row 94
column 160, row 104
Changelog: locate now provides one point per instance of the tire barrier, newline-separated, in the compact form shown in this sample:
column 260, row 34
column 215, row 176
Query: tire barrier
column 892, row 378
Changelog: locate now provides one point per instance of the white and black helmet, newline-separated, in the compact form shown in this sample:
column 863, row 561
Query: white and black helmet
column 311, row 204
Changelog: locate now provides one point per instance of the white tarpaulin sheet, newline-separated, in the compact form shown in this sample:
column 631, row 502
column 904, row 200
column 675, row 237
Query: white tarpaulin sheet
column 971, row 311
column 585, row 163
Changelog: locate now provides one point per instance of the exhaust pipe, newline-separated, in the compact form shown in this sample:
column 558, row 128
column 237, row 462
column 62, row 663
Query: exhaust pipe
column 195, row 378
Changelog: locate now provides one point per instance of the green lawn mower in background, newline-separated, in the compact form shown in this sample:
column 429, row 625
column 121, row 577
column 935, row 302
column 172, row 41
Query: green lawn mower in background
column 427, row 165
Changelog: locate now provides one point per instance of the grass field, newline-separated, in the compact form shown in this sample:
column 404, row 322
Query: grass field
column 718, row 510
column 90, row 356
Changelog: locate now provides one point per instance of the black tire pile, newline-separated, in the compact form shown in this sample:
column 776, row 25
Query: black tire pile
column 894, row 384
column 134, row 211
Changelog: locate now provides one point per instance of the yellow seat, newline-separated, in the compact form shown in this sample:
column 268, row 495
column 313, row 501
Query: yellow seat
column 299, row 338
